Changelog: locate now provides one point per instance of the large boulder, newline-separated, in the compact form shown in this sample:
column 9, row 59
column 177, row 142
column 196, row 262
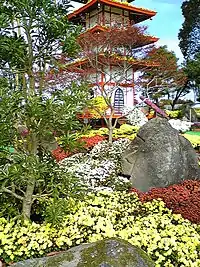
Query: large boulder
column 159, row 156
column 111, row 252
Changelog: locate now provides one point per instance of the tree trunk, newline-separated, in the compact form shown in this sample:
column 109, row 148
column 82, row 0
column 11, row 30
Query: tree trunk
column 110, row 129
column 110, row 135
column 28, row 197
column 173, row 105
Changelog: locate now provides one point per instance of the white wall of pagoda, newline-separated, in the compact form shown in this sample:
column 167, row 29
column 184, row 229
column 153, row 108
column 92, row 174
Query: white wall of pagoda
column 110, row 16
column 115, row 83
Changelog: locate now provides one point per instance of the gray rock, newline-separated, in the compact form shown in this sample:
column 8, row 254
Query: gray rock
column 111, row 252
column 159, row 156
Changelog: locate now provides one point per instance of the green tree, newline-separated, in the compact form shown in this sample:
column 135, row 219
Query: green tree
column 168, row 79
column 37, row 98
column 189, row 37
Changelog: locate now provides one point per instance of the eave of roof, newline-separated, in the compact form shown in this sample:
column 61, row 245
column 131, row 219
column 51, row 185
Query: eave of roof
column 99, row 28
column 127, row 7
column 115, row 60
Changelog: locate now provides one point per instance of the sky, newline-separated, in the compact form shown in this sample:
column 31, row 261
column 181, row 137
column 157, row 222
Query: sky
column 166, row 24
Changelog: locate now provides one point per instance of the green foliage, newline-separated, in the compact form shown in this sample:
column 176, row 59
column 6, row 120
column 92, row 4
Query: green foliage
column 38, row 100
column 37, row 21
column 189, row 35
column 193, row 72
column 167, row 238
column 190, row 31
column 29, row 127
column 50, row 180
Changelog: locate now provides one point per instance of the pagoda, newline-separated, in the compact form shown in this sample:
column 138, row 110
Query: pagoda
column 97, row 16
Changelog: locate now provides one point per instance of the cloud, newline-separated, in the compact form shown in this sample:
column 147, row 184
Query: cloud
column 173, row 45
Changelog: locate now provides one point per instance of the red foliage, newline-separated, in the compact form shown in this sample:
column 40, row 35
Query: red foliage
column 92, row 141
column 60, row 154
column 88, row 143
column 183, row 198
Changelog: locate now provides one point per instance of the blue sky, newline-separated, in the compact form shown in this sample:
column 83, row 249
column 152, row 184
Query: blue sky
column 166, row 23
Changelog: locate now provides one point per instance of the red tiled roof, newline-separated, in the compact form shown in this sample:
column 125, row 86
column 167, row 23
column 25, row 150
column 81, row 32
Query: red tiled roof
column 128, row 7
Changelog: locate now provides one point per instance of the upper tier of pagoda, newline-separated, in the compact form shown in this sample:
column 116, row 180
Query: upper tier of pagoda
column 107, row 12
column 85, row 1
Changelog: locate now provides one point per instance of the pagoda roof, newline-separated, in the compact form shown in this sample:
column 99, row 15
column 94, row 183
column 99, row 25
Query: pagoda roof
column 80, row 64
column 138, row 14
column 98, row 28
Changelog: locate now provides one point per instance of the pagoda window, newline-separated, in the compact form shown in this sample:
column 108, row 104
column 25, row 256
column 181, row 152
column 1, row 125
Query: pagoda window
column 119, row 99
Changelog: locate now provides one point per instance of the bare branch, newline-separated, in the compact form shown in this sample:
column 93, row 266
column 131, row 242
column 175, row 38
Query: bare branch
column 6, row 190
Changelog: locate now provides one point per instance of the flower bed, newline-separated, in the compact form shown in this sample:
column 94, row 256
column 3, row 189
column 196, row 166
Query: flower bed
column 183, row 198
column 167, row 238
column 88, row 142
column 100, row 167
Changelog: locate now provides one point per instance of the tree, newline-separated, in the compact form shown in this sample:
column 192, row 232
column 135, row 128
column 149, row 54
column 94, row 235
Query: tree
column 108, row 59
column 189, row 37
column 168, row 79
column 189, row 34
column 32, row 108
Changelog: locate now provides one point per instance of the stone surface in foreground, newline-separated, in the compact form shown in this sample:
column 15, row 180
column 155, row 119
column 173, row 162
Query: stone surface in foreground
column 112, row 252
column 159, row 156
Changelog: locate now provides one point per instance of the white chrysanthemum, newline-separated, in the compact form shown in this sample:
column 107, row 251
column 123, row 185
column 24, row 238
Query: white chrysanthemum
column 135, row 116
column 181, row 126
column 99, row 167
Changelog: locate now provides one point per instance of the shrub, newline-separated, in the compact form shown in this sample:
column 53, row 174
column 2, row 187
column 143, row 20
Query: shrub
column 173, row 113
column 183, row 198
column 181, row 126
column 101, row 132
column 60, row 154
column 87, row 143
column 125, row 131
column 90, row 142
column 167, row 238
column 99, row 167
column 135, row 116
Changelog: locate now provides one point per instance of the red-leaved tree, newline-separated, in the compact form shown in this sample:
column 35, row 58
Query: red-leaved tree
column 167, row 79
column 109, row 59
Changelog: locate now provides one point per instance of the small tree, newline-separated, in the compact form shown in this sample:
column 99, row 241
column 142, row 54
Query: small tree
column 33, row 108
column 168, row 79
column 111, row 55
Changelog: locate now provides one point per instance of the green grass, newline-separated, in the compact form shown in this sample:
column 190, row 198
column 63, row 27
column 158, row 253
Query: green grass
column 193, row 133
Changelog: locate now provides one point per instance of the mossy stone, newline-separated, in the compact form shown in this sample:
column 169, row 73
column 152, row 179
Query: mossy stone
column 111, row 252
